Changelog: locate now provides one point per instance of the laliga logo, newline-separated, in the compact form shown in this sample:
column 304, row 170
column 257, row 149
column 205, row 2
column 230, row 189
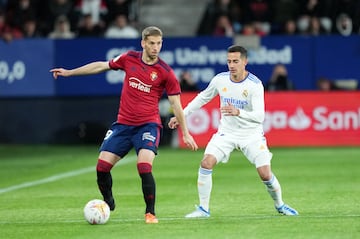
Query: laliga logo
column 10, row 75
column 201, row 121
column 279, row 120
column 321, row 119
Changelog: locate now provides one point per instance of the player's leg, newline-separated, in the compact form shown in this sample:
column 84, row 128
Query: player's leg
column 204, row 186
column 146, row 142
column 116, row 145
column 144, row 166
column 104, row 165
column 274, row 189
column 217, row 150
column 272, row 184
column 258, row 154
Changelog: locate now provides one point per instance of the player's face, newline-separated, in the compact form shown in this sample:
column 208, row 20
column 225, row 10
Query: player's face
column 236, row 63
column 152, row 46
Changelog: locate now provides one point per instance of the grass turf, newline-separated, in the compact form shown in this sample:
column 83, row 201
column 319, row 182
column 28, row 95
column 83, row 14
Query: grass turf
column 43, row 190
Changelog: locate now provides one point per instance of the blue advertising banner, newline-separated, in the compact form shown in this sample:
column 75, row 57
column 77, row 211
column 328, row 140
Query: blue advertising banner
column 204, row 57
column 306, row 59
column 296, row 53
column 309, row 58
column 24, row 68
column 25, row 64
column 337, row 57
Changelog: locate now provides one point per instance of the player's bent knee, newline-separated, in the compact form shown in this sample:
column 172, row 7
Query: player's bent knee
column 264, row 172
column 208, row 162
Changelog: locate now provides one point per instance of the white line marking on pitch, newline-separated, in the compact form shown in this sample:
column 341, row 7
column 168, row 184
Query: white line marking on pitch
column 165, row 219
column 61, row 176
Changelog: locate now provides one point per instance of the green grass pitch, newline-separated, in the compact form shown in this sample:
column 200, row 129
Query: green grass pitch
column 43, row 190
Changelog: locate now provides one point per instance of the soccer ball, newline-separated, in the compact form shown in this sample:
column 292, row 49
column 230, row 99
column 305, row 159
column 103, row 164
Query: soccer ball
column 96, row 211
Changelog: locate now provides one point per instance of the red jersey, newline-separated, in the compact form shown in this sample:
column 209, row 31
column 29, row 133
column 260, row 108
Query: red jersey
column 143, row 87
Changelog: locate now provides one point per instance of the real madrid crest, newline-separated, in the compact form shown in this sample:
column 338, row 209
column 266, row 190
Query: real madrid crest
column 245, row 93
column 153, row 76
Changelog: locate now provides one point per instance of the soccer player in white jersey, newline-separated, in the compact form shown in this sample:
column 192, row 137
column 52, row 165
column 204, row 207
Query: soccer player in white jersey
column 241, row 127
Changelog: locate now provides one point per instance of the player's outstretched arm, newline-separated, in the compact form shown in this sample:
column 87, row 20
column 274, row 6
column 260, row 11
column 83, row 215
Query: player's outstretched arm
column 180, row 120
column 88, row 69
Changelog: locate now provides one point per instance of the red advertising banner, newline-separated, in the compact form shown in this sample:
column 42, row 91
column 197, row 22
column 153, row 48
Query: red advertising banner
column 292, row 119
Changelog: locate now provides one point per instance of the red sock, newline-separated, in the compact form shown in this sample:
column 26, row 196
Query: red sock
column 144, row 168
column 103, row 166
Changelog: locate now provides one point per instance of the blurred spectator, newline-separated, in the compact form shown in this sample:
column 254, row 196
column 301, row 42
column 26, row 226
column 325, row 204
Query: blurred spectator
column 121, row 29
column 308, row 22
column 30, row 29
column 125, row 7
column 248, row 30
column 96, row 8
column 259, row 12
column 87, row 28
column 284, row 11
column 213, row 10
column 325, row 84
column 315, row 27
column 254, row 28
column 62, row 29
column 310, row 8
column 8, row 33
column 303, row 24
column 289, row 28
column 342, row 14
column 236, row 15
column 55, row 9
column 223, row 26
column 19, row 11
column 344, row 25
column 279, row 80
column 326, row 25
column 187, row 83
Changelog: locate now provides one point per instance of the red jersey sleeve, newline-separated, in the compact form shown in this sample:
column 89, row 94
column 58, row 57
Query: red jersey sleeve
column 117, row 63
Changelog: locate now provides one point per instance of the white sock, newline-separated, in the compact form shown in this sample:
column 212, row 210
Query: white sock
column 274, row 189
column 204, row 187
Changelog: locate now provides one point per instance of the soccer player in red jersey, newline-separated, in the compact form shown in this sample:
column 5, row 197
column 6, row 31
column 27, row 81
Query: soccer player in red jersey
column 138, row 121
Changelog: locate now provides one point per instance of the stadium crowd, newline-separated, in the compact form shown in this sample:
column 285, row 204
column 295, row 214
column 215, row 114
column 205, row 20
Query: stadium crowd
column 263, row 17
column 119, row 18
column 66, row 18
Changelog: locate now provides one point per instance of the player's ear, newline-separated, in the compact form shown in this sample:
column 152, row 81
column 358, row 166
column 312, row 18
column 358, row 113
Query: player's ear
column 142, row 43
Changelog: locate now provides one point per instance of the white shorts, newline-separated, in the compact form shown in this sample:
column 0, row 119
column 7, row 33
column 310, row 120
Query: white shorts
column 254, row 148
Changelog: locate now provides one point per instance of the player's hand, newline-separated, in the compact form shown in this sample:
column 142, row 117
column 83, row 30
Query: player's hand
column 230, row 110
column 173, row 123
column 190, row 142
column 59, row 72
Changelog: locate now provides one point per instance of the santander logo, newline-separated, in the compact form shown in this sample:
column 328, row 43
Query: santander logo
column 320, row 119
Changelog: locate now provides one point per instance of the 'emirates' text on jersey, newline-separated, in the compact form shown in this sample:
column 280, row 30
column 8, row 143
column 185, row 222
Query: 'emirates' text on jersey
column 247, row 96
column 143, row 87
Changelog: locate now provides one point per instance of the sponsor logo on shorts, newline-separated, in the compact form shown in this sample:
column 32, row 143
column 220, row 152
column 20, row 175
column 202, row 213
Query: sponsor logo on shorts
column 148, row 136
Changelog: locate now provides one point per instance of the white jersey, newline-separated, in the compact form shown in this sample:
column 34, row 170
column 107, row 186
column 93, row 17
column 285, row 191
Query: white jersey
column 247, row 96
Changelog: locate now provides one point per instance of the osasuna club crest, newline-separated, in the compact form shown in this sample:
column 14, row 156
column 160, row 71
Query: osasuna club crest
column 153, row 76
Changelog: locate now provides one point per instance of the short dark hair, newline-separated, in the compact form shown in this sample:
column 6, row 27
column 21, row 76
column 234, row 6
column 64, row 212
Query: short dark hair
column 237, row 48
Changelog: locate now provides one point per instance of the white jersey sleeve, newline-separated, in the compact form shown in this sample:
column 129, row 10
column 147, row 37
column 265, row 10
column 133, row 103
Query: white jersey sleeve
column 247, row 96
column 202, row 98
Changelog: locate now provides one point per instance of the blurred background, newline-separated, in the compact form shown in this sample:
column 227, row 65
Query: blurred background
column 306, row 52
